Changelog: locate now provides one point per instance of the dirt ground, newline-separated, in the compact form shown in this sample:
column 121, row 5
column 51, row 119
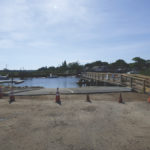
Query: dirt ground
column 38, row 123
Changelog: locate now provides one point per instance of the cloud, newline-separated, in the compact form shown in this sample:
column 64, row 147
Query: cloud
column 25, row 15
column 15, row 16
column 81, row 29
column 6, row 44
column 30, row 21
column 41, row 44
column 18, row 36
column 58, row 11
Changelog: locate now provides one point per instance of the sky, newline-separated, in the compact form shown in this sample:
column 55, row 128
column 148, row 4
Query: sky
column 37, row 33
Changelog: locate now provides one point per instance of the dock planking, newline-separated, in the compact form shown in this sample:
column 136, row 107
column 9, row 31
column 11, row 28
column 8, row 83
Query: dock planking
column 137, row 82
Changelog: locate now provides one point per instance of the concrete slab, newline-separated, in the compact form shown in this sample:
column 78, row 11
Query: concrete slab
column 21, row 90
column 82, row 90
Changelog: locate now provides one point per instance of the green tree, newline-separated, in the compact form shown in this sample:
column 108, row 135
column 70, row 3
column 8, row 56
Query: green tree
column 120, row 64
column 64, row 64
column 75, row 67
column 139, row 63
column 96, row 63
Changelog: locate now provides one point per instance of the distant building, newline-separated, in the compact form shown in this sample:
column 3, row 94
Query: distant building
column 100, row 69
column 148, row 62
column 133, row 72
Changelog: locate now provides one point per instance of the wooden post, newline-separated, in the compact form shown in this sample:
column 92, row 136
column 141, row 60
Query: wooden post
column 99, row 77
column 120, row 79
column 107, row 76
column 143, row 86
column 131, row 82
column 113, row 77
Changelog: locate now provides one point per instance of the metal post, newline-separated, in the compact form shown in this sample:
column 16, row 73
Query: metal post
column 12, row 81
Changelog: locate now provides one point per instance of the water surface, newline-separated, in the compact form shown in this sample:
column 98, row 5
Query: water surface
column 61, row 82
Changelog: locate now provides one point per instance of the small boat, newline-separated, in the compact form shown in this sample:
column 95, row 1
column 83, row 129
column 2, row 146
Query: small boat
column 3, row 77
column 18, row 81
column 10, row 81
column 52, row 76
column 5, row 81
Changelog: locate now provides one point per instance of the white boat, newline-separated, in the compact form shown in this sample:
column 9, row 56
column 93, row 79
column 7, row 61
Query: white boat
column 10, row 81
column 52, row 76
column 3, row 77
column 18, row 81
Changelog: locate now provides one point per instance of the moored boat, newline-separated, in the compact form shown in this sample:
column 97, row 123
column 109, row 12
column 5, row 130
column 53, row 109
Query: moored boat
column 4, row 77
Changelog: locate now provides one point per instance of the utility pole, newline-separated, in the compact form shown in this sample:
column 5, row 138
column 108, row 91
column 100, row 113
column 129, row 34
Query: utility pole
column 12, row 80
column 6, row 66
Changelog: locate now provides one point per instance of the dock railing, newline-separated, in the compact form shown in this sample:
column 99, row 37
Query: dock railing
column 136, row 82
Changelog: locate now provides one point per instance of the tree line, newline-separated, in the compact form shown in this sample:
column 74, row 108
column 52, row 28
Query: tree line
column 138, row 65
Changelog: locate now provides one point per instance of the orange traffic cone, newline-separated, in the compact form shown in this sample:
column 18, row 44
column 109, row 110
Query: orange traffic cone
column 148, row 99
column 58, row 101
column 1, row 94
column 12, row 97
column 88, row 98
column 120, row 99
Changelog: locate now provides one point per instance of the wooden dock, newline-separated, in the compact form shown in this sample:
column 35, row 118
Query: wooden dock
column 137, row 82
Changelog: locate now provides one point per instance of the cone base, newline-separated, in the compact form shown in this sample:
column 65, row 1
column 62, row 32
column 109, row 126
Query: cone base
column 121, row 100
column 88, row 98
column 12, row 99
column 58, row 101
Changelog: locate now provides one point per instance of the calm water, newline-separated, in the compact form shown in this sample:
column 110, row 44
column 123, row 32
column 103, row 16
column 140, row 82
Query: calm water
column 61, row 82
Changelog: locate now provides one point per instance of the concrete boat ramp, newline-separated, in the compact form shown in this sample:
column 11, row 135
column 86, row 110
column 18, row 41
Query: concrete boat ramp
column 82, row 90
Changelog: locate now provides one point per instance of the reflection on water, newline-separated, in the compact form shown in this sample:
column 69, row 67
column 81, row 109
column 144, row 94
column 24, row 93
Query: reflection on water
column 61, row 82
